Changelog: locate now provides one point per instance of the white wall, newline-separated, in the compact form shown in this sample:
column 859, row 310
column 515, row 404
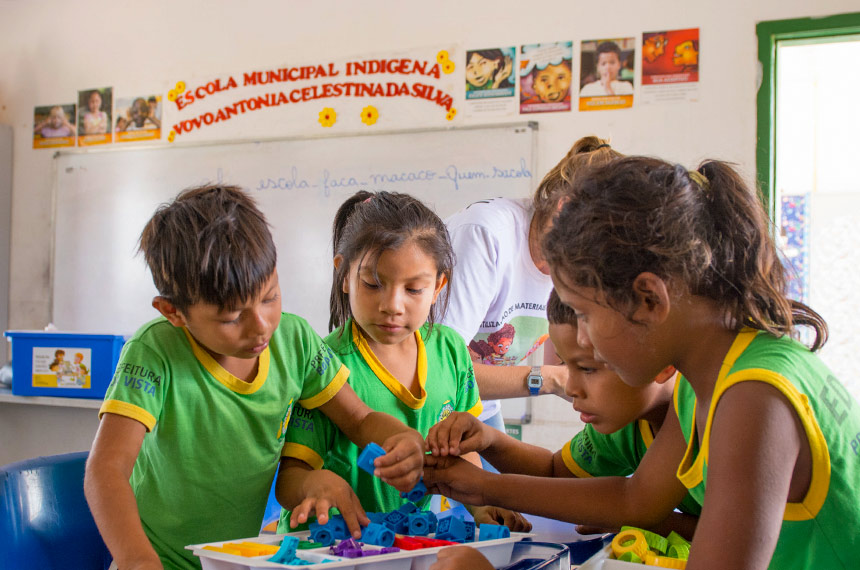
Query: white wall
column 52, row 48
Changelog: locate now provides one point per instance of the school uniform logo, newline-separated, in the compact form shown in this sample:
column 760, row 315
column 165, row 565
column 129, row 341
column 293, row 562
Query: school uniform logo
column 446, row 410
column 282, row 429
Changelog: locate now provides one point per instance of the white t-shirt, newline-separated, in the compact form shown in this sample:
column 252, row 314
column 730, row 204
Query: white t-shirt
column 496, row 285
column 596, row 89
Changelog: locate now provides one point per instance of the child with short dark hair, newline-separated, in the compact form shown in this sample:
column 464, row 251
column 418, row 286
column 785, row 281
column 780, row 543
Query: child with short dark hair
column 621, row 422
column 392, row 257
column 194, row 420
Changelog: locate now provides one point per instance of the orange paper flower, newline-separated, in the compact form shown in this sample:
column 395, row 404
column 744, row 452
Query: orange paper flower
column 180, row 87
column 451, row 114
column 327, row 117
column 369, row 115
column 442, row 56
column 448, row 67
column 171, row 136
column 171, row 95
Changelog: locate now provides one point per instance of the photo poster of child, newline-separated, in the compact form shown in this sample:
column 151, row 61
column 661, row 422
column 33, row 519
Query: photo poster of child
column 94, row 116
column 65, row 367
column 490, row 81
column 545, row 77
column 607, row 74
column 670, row 66
column 138, row 118
column 53, row 126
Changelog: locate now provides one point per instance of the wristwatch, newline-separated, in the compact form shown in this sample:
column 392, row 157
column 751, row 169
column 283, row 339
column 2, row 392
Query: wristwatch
column 534, row 380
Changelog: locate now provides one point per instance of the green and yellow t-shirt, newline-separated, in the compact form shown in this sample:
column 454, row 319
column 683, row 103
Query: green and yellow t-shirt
column 823, row 530
column 447, row 384
column 214, row 441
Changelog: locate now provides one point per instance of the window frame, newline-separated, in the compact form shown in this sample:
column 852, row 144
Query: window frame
column 769, row 34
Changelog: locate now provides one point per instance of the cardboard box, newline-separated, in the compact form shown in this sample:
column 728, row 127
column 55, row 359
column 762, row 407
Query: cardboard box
column 63, row 364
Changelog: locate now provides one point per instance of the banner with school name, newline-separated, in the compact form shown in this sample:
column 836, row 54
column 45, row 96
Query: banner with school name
column 392, row 91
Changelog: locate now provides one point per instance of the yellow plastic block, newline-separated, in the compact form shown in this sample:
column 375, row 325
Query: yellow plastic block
column 652, row 559
column 261, row 549
column 630, row 540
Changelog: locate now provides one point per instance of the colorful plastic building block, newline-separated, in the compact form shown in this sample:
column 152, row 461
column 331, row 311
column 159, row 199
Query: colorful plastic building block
column 416, row 493
column 397, row 521
column 287, row 552
column 493, row 531
column 322, row 536
column 377, row 534
column 407, row 508
column 370, row 452
column 452, row 528
column 422, row 523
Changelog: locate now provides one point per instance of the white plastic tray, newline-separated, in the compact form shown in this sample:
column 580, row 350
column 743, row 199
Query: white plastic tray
column 497, row 551
column 602, row 561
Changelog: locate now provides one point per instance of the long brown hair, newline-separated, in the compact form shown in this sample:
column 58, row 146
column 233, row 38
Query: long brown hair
column 706, row 230
column 586, row 152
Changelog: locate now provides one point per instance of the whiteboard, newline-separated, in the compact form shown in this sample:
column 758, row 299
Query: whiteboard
column 102, row 200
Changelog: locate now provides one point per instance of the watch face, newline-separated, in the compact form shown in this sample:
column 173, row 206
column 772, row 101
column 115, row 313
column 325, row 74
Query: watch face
column 534, row 381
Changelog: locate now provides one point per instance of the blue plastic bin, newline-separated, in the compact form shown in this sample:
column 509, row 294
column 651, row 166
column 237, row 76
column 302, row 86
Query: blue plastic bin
column 63, row 364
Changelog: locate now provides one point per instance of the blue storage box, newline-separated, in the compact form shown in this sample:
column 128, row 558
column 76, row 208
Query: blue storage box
column 63, row 364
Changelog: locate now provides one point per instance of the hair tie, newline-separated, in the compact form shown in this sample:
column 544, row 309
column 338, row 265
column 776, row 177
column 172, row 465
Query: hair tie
column 699, row 179
column 368, row 199
column 600, row 146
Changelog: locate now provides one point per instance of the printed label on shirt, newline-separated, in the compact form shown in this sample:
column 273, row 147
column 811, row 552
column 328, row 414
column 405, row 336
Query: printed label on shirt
column 509, row 344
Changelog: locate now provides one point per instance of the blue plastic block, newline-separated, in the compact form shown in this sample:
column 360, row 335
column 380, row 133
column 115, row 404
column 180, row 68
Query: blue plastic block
column 376, row 517
column 470, row 531
column 321, row 535
column 419, row 525
column 377, row 535
column 338, row 527
column 287, row 552
column 396, row 521
column 370, row 452
column 493, row 531
column 416, row 493
column 407, row 508
column 451, row 528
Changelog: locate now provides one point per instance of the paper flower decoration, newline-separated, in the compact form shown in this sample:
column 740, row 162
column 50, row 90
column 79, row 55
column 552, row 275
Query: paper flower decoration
column 327, row 117
column 451, row 114
column 448, row 67
column 442, row 56
column 171, row 95
column 369, row 115
column 171, row 136
column 180, row 87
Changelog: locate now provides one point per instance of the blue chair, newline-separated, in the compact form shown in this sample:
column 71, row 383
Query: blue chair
column 45, row 521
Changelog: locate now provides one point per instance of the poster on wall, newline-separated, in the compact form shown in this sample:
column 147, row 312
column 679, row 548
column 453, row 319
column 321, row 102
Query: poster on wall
column 670, row 66
column 545, row 77
column 489, row 81
column 138, row 118
column 53, row 126
column 606, row 74
column 396, row 90
column 94, row 116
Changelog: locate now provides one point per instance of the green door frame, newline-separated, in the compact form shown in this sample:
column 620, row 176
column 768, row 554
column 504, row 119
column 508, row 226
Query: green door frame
column 769, row 34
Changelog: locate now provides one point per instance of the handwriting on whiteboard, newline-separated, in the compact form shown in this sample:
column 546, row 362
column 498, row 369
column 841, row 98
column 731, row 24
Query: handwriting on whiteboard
column 452, row 175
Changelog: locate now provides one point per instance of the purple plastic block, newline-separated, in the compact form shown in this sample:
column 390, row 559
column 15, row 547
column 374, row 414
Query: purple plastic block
column 348, row 544
column 370, row 452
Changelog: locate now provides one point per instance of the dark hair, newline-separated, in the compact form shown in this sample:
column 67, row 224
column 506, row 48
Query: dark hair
column 586, row 152
column 607, row 47
column 368, row 224
column 494, row 54
column 706, row 231
column 557, row 313
column 211, row 244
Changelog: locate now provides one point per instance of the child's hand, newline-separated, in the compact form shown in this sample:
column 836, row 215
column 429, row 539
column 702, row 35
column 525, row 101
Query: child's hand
column 456, row 478
column 403, row 463
column 323, row 490
column 515, row 521
column 459, row 557
column 458, row 434
column 504, row 72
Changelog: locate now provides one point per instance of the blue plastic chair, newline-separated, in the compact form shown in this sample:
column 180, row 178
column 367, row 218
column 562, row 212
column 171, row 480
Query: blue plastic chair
column 45, row 521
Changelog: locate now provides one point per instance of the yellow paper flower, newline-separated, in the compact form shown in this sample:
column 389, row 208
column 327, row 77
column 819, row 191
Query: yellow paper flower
column 327, row 117
column 451, row 114
column 171, row 136
column 369, row 115
column 448, row 67
column 171, row 95
column 442, row 56
column 180, row 87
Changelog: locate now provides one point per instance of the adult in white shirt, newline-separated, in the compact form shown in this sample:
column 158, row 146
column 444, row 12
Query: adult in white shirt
column 501, row 284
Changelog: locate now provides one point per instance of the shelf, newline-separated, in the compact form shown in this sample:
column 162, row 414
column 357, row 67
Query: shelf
column 6, row 397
